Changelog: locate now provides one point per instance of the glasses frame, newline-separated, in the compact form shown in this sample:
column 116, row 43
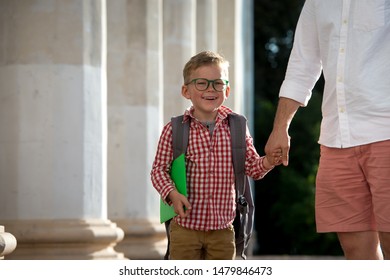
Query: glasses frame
column 193, row 81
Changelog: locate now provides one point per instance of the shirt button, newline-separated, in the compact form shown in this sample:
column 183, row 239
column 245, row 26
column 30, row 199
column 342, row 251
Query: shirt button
column 342, row 110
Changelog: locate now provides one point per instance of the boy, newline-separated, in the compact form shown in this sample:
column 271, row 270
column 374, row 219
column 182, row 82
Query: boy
column 203, row 228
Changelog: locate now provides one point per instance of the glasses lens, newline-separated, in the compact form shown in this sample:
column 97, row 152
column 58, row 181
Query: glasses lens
column 201, row 84
column 219, row 85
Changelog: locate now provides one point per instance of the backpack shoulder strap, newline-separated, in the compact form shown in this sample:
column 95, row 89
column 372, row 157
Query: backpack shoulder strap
column 237, row 125
column 180, row 135
column 243, row 223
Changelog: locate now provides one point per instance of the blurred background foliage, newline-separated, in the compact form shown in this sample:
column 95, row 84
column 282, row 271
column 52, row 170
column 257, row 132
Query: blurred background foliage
column 285, row 222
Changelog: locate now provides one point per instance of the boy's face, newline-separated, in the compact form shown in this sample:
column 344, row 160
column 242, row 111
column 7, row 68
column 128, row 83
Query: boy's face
column 206, row 102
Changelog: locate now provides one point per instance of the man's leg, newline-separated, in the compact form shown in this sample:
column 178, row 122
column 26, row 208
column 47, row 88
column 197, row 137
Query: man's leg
column 362, row 245
column 377, row 167
column 344, row 203
column 385, row 244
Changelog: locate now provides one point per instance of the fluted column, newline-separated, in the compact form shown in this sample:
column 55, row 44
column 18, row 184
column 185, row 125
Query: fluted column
column 227, row 46
column 53, row 130
column 179, row 44
column 7, row 243
column 236, row 43
column 134, row 121
column 246, row 55
column 206, row 25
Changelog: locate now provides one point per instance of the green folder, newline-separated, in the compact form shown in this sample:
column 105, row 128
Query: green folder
column 178, row 176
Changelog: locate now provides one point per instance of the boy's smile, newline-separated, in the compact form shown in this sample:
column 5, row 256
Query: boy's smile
column 210, row 97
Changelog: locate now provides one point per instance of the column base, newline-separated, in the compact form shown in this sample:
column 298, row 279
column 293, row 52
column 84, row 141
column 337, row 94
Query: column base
column 65, row 239
column 144, row 239
column 7, row 243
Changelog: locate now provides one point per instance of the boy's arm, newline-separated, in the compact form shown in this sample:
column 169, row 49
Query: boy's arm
column 160, row 173
column 257, row 166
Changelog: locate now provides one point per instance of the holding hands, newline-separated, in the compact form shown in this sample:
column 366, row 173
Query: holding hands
column 273, row 159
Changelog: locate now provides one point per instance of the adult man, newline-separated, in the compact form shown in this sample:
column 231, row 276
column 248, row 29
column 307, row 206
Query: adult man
column 349, row 41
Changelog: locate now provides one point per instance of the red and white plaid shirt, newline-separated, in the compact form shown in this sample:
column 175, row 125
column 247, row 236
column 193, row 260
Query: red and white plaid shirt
column 210, row 174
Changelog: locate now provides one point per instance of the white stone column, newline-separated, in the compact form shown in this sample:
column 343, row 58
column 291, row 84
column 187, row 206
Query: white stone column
column 246, row 55
column 236, row 44
column 7, row 243
column 179, row 44
column 206, row 25
column 134, row 122
column 227, row 34
column 53, row 130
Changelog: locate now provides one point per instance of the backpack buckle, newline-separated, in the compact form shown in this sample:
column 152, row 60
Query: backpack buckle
column 242, row 201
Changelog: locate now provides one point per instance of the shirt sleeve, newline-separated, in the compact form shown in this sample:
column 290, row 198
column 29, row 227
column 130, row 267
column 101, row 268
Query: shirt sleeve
column 254, row 166
column 305, row 65
column 160, row 173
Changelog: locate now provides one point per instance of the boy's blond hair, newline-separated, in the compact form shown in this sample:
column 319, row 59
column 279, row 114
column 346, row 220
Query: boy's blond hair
column 204, row 58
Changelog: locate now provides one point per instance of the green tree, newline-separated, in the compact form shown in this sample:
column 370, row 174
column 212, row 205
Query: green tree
column 284, row 218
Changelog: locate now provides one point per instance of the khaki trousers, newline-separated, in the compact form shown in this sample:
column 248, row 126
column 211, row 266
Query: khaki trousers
column 187, row 244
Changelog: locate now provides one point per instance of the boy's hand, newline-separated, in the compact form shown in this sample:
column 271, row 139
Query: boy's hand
column 180, row 203
column 273, row 159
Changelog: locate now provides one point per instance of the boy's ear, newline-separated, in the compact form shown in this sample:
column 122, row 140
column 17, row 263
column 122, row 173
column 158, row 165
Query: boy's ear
column 184, row 92
column 227, row 93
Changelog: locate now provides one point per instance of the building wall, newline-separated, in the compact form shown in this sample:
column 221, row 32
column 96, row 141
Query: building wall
column 85, row 88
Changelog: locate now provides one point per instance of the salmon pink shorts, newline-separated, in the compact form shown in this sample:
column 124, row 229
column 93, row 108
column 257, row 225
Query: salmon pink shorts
column 353, row 189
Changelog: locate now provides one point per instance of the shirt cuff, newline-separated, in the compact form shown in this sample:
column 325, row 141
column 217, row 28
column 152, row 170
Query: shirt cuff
column 165, row 192
column 296, row 92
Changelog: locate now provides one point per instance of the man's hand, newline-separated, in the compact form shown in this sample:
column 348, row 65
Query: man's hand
column 279, row 137
column 278, row 140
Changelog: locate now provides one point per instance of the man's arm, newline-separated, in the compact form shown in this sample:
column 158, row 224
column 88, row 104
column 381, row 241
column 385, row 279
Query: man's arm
column 279, row 137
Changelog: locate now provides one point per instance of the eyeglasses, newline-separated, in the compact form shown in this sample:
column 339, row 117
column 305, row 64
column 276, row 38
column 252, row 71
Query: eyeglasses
column 203, row 84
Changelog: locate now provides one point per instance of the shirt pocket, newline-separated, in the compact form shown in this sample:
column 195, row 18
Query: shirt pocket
column 369, row 14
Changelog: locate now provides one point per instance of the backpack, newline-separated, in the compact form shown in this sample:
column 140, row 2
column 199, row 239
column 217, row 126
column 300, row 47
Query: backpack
column 243, row 222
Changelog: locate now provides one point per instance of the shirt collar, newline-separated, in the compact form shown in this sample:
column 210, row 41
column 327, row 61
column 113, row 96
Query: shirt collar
column 222, row 114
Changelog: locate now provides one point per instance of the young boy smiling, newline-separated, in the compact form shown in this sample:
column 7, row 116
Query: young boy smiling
column 203, row 228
